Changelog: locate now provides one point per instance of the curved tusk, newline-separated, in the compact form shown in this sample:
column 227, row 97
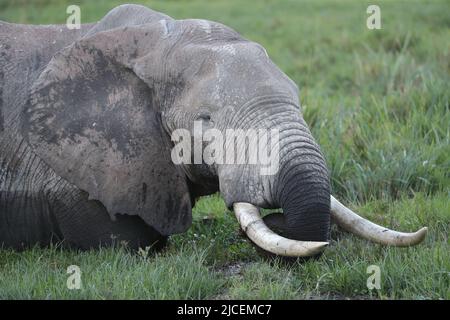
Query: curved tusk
column 252, row 224
column 363, row 228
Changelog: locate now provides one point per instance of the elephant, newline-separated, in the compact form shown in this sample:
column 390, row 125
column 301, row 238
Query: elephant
column 86, row 123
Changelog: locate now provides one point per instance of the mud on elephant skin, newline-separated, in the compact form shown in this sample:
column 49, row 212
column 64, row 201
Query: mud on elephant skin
column 85, row 140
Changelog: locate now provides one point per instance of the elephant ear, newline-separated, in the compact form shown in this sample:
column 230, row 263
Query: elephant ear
column 96, row 124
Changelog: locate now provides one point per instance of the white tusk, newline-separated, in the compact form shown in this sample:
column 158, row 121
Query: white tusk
column 252, row 224
column 363, row 228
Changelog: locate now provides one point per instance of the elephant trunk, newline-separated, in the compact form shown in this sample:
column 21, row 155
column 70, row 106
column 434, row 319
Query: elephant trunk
column 305, row 200
column 302, row 187
column 299, row 185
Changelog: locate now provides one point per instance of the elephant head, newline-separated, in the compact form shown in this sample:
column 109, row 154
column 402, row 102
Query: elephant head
column 104, row 110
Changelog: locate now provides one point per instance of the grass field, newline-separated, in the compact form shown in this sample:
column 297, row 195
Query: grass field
column 377, row 101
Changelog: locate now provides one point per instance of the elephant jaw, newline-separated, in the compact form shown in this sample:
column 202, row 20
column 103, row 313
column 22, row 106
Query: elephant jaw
column 252, row 224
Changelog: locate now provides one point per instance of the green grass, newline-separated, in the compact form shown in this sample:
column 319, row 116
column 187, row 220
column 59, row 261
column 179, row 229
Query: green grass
column 378, row 104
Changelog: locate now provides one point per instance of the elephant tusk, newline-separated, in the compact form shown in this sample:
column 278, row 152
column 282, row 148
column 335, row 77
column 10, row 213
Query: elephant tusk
column 252, row 224
column 363, row 228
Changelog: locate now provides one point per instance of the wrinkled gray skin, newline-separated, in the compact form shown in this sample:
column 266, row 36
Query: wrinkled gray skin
column 85, row 123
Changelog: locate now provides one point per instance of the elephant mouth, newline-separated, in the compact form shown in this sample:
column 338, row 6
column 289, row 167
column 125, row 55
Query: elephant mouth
column 253, row 225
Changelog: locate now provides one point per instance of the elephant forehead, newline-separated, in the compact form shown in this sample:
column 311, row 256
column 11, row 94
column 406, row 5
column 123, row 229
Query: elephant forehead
column 232, row 73
column 209, row 29
column 222, row 50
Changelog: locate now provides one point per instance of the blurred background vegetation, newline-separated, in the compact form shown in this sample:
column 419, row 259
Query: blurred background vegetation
column 377, row 101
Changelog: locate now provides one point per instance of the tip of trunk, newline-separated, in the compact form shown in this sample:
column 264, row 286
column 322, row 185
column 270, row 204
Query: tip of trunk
column 307, row 220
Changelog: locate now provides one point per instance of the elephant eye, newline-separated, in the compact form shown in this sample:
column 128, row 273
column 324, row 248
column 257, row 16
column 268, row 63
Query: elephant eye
column 204, row 116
